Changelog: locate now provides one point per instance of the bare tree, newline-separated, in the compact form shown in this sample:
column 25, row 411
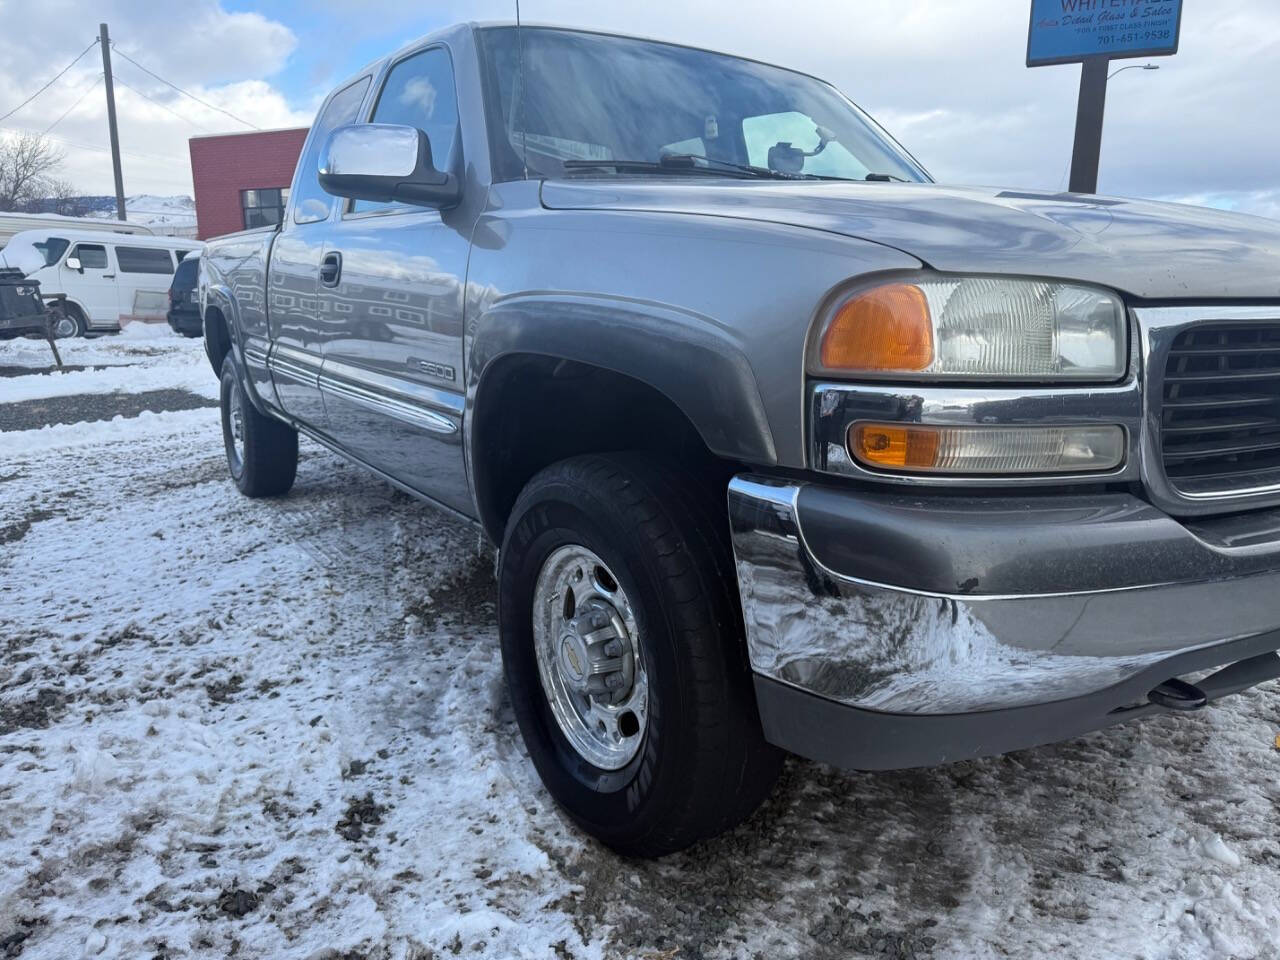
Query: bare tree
column 65, row 200
column 27, row 165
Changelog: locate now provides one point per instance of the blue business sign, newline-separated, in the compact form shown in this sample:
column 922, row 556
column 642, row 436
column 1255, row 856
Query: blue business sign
column 1070, row 31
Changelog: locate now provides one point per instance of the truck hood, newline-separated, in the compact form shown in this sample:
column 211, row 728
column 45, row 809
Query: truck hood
column 1148, row 250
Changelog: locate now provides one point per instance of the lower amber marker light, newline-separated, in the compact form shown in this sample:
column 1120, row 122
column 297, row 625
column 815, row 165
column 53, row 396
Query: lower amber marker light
column 994, row 450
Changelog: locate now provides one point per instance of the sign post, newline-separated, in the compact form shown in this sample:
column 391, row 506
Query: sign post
column 1093, row 33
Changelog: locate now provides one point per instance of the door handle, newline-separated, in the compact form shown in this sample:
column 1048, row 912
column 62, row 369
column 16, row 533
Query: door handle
column 108, row 276
column 331, row 269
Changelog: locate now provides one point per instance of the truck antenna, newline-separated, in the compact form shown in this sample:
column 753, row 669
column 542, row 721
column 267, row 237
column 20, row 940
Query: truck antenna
column 519, row 105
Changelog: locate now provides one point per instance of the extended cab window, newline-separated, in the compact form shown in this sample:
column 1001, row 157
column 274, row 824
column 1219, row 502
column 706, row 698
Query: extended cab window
column 92, row 256
column 419, row 93
column 310, row 202
column 143, row 260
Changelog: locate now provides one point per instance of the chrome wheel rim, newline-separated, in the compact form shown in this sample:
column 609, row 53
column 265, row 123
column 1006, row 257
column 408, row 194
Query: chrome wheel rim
column 589, row 658
column 235, row 427
column 64, row 327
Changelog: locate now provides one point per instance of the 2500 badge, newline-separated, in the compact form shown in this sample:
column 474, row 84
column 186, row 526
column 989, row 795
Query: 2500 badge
column 441, row 371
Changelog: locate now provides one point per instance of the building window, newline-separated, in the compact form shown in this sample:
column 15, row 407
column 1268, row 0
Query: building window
column 262, row 208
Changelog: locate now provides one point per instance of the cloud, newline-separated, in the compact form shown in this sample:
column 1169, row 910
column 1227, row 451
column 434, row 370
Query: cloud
column 225, row 58
column 947, row 78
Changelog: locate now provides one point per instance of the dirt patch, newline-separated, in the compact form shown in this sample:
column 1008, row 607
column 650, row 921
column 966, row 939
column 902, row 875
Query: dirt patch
column 470, row 596
column 33, row 714
column 237, row 902
column 82, row 408
column 224, row 691
column 13, row 532
column 15, row 370
column 361, row 815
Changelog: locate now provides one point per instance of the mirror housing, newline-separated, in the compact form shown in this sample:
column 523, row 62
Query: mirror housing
column 385, row 162
column 73, row 263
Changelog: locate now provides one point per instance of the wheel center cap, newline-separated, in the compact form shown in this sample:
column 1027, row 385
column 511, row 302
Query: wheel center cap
column 573, row 659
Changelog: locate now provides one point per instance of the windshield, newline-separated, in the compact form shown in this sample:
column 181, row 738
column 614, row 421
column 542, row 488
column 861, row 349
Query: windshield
column 30, row 252
column 52, row 249
column 591, row 97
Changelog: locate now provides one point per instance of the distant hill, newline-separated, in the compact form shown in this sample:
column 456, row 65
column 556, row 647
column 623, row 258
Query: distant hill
column 169, row 215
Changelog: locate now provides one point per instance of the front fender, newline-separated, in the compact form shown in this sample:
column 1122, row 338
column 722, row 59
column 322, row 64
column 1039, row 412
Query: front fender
column 694, row 362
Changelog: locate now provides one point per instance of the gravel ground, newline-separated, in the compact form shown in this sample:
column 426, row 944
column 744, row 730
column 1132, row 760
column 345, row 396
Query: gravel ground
column 234, row 728
column 34, row 414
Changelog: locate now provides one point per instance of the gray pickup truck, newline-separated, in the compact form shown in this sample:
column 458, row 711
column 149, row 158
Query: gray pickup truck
column 784, row 446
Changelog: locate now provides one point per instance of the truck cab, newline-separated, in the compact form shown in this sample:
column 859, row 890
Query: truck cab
column 783, row 446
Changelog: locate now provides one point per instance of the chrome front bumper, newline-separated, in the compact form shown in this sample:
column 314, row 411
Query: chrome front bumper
column 897, row 605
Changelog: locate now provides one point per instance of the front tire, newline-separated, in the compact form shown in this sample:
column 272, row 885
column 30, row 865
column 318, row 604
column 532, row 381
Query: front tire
column 610, row 558
column 68, row 322
column 262, row 452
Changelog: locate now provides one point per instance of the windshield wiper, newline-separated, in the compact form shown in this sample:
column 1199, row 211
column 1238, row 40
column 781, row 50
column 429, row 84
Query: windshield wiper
column 681, row 163
column 885, row 178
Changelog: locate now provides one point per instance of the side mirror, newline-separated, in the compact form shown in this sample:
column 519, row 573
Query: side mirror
column 73, row 263
column 384, row 162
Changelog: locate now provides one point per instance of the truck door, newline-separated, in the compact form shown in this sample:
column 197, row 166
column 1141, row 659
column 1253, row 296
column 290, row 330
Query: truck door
column 393, row 294
column 293, row 277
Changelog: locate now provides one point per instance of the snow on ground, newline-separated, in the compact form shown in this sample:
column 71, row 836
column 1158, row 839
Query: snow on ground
column 278, row 729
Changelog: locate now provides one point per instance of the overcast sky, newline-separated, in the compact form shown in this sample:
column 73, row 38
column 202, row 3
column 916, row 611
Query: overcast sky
column 946, row 76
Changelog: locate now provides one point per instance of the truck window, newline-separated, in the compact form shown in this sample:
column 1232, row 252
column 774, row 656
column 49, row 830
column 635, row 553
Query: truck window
column 143, row 260
column 418, row 92
column 92, row 256
column 310, row 202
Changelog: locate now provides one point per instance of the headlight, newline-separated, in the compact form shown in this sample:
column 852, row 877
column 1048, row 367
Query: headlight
column 980, row 328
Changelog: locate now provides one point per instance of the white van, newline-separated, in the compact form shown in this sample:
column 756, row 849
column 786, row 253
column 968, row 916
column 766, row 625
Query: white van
column 11, row 223
column 109, row 279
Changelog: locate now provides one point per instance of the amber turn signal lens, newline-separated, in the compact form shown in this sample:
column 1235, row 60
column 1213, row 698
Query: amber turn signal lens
column 896, row 447
column 982, row 449
column 884, row 329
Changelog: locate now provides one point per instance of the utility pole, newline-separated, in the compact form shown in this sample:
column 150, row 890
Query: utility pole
column 104, row 41
column 1087, row 154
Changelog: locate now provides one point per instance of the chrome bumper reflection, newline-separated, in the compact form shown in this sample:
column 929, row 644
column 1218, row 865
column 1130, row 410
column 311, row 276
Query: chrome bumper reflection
column 893, row 649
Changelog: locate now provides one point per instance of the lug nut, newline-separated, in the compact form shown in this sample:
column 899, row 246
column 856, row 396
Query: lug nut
column 613, row 648
column 613, row 681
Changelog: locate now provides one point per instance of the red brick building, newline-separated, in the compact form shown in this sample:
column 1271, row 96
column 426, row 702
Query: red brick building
column 242, row 179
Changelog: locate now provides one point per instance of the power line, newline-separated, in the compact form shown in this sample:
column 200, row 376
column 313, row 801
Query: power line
column 51, row 82
column 181, row 91
column 159, row 104
column 80, row 99
column 101, row 149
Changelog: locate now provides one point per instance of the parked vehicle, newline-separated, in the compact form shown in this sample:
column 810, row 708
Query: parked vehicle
column 784, row 444
column 184, row 298
column 11, row 223
column 108, row 279
column 22, row 311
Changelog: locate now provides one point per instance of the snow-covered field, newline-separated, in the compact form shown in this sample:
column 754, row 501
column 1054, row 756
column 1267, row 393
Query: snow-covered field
column 277, row 729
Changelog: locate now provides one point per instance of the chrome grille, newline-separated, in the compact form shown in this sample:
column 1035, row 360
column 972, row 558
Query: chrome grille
column 1221, row 413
